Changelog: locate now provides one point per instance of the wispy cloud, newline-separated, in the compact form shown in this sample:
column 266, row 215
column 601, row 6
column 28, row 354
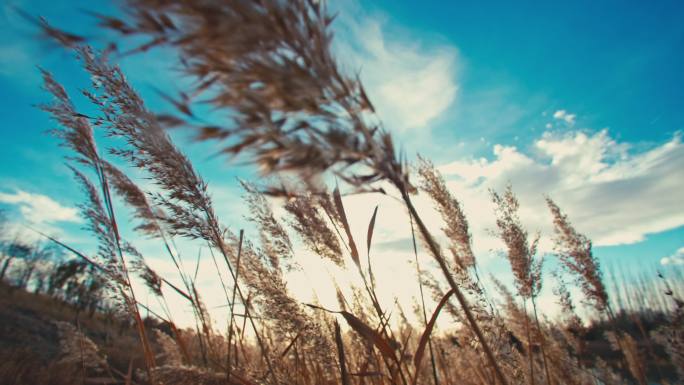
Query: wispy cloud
column 565, row 116
column 675, row 259
column 410, row 81
column 38, row 208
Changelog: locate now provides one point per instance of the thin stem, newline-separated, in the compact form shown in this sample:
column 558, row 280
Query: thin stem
column 232, row 303
column 434, row 249
column 222, row 247
column 542, row 342
column 132, row 304
column 529, row 341
column 422, row 303
column 618, row 338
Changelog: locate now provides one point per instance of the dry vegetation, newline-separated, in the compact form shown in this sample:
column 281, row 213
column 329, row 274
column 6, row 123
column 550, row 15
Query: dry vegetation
column 298, row 116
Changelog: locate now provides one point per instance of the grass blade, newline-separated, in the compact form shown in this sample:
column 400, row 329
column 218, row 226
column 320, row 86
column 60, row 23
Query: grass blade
column 343, row 216
column 340, row 352
column 420, row 352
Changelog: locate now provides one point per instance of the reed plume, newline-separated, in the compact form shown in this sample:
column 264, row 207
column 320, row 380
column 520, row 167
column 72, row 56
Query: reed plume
column 574, row 252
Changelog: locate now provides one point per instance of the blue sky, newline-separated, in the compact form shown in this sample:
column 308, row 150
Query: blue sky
column 580, row 100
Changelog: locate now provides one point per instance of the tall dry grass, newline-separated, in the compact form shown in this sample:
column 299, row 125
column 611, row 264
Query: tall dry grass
column 298, row 116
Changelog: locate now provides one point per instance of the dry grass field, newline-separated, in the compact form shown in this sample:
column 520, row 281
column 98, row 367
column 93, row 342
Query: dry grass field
column 308, row 124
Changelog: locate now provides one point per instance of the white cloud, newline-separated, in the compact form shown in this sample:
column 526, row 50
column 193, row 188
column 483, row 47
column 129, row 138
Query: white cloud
column 410, row 82
column 613, row 196
column 566, row 116
column 39, row 209
column 675, row 259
